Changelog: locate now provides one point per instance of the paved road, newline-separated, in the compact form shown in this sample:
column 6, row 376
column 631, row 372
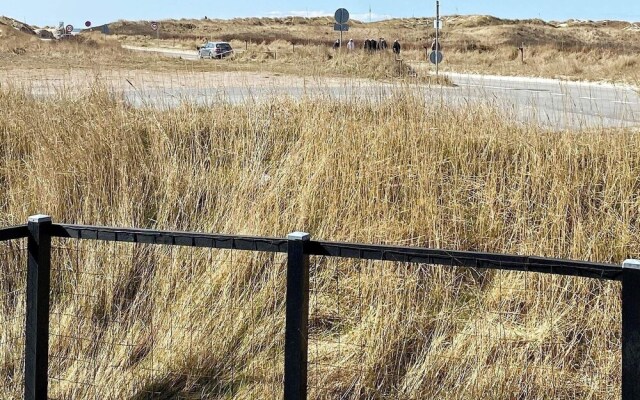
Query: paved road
column 552, row 103
column 556, row 103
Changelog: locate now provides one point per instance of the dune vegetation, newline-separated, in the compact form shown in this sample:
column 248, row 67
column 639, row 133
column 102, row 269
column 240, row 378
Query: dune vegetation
column 132, row 321
column 574, row 50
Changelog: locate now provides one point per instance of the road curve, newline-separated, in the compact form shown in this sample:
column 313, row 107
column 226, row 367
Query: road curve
column 549, row 102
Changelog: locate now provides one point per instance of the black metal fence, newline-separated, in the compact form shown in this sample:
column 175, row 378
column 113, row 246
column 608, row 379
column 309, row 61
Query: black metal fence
column 107, row 313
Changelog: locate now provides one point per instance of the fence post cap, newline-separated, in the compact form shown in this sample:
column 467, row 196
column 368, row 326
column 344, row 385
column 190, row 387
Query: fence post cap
column 39, row 218
column 631, row 264
column 303, row 236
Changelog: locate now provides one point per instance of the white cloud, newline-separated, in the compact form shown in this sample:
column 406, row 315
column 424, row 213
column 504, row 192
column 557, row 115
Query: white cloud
column 364, row 17
column 309, row 14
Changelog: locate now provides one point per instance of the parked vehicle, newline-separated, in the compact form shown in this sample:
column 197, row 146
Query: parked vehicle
column 215, row 50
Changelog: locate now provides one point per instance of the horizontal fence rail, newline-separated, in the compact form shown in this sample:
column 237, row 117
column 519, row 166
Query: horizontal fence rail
column 190, row 239
column 311, row 292
column 466, row 259
column 345, row 250
column 14, row 232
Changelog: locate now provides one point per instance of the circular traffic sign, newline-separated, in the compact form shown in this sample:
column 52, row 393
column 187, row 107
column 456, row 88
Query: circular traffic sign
column 69, row 28
column 342, row 16
column 436, row 57
column 87, row 24
column 154, row 26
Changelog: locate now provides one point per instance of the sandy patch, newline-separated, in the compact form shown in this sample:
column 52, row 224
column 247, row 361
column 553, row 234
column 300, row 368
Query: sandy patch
column 52, row 80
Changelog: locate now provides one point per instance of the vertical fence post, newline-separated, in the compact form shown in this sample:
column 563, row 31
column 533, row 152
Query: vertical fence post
column 297, row 322
column 631, row 330
column 37, row 318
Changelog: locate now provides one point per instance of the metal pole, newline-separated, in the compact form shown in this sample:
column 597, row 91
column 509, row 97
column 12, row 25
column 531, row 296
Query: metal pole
column 297, row 318
column 36, row 355
column 437, row 34
column 630, row 329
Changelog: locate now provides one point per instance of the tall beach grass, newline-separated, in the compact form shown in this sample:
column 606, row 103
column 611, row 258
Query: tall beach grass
column 399, row 170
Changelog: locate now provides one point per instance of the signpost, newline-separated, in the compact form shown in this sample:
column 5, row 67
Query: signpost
column 156, row 28
column 69, row 28
column 438, row 23
column 87, row 24
column 342, row 18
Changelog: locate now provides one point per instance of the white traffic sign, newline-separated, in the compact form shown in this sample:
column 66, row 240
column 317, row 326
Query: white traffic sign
column 154, row 26
column 342, row 16
column 69, row 28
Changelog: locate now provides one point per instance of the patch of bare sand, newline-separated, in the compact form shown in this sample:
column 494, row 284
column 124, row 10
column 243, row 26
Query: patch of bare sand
column 56, row 80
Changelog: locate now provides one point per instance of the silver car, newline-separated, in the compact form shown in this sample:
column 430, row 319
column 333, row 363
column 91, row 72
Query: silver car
column 215, row 50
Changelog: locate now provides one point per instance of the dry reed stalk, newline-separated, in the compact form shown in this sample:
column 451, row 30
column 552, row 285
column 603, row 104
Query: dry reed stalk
column 397, row 170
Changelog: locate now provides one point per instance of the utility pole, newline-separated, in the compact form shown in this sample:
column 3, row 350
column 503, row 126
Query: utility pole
column 437, row 34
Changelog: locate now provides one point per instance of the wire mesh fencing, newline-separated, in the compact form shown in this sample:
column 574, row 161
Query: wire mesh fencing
column 396, row 330
column 141, row 321
column 141, row 314
column 13, row 278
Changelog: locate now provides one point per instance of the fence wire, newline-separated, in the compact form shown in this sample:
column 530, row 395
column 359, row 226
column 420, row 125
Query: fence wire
column 144, row 322
column 13, row 283
column 384, row 330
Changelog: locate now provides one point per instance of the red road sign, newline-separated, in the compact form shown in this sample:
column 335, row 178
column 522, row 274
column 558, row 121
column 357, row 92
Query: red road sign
column 69, row 28
column 154, row 26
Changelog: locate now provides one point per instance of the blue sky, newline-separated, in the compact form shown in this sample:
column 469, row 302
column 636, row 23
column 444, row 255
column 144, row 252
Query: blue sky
column 48, row 12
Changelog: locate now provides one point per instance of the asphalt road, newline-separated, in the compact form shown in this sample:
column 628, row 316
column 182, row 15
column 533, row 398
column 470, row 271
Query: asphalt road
column 555, row 103
column 549, row 102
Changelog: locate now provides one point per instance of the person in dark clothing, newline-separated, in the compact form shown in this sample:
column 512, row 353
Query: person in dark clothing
column 435, row 45
column 367, row 45
column 374, row 45
column 382, row 44
column 336, row 45
column 396, row 47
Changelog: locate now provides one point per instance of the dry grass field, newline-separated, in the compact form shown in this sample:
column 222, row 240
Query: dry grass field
column 586, row 50
column 601, row 51
column 136, row 321
column 367, row 171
